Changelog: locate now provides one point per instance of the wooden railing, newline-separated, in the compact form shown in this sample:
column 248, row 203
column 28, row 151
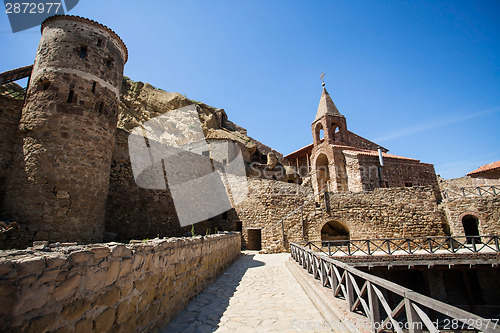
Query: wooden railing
column 368, row 295
column 473, row 191
column 417, row 245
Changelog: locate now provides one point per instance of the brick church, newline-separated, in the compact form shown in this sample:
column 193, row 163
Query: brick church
column 339, row 160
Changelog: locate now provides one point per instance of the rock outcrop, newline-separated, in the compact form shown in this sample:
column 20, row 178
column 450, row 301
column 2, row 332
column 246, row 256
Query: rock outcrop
column 141, row 102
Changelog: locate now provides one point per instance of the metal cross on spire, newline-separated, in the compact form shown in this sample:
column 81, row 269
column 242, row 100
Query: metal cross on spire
column 322, row 80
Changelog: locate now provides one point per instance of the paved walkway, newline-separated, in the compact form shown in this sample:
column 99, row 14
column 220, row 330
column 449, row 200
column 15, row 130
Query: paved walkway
column 256, row 294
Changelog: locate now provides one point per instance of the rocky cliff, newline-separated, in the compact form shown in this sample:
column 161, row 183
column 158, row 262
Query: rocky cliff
column 141, row 102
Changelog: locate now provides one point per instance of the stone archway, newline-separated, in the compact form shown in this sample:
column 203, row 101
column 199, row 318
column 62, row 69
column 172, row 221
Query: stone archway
column 322, row 171
column 470, row 223
column 333, row 231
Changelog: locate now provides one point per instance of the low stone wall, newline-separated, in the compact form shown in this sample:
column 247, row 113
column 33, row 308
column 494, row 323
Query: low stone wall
column 95, row 288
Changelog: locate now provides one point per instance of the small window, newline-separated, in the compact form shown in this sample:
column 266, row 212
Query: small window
column 99, row 42
column 408, row 184
column 109, row 62
column 101, row 107
column 93, row 87
column 70, row 96
column 238, row 226
column 83, row 51
column 44, row 84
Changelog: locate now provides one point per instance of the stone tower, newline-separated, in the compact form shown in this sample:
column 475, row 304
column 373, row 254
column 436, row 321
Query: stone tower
column 58, row 183
column 327, row 160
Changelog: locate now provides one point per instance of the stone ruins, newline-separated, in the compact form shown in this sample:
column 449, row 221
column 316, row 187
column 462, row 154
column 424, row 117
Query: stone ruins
column 66, row 181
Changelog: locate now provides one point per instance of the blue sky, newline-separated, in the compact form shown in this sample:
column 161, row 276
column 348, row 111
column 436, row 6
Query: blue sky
column 421, row 78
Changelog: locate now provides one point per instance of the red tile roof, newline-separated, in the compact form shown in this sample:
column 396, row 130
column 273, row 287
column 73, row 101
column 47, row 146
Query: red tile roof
column 487, row 167
column 367, row 152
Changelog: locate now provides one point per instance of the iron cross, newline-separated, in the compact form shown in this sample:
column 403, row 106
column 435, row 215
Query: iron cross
column 322, row 76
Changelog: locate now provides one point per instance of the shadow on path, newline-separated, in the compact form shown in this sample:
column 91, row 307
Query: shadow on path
column 204, row 312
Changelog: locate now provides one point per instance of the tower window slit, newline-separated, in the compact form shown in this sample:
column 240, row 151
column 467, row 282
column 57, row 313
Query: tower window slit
column 100, row 108
column 99, row 42
column 83, row 51
column 93, row 87
column 70, row 96
column 109, row 62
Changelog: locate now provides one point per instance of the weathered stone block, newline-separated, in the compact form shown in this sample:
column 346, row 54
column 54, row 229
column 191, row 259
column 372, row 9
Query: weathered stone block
column 82, row 256
column 76, row 309
column 41, row 324
column 109, row 298
column 67, row 288
column 113, row 271
column 105, row 320
column 84, row 326
column 126, row 266
column 95, row 279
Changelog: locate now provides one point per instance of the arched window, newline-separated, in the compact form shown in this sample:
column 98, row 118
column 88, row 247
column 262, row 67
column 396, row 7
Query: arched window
column 334, row 231
column 322, row 172
column 335, row 131
column 470, row 224
column 319, row 133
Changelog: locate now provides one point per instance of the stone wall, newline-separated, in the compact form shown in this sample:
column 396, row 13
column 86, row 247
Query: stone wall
column 467, row 181
column 58, row 182
column 135, row 212
column 486, row 209
column 132, row 288
column 383, row 213
column 396, row 173
column 266, row 204
column 10, row 113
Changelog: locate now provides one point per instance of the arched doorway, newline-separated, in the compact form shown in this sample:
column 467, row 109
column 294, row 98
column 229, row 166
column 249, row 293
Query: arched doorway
column 334, row 231
column 470, row 224
column 322, row 172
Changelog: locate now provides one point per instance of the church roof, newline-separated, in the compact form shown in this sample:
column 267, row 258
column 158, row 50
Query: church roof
column 487, row 167
column 326, row 106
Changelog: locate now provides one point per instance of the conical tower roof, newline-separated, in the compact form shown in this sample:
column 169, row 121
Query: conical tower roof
column 326, row 106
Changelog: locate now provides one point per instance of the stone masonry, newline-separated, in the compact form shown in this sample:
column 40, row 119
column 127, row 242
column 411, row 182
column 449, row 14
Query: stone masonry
column 59, row 178
column 383, row 213
column 136, row 287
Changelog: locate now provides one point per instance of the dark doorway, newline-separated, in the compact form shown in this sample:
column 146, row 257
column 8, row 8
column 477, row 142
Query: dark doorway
column 254, row 239
column 470, row 224
column 334, row 231
column 238, row 226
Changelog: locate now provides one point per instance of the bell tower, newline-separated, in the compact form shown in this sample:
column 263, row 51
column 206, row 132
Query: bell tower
column 329, row 129
column 328, row 119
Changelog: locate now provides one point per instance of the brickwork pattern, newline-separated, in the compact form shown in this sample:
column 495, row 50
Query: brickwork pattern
column 486, row 209
column 383, row 213
column 58, row 182
column 93, row 288
column 10, row 113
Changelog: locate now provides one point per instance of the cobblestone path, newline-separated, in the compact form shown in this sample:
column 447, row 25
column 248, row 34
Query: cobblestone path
column 256, row 294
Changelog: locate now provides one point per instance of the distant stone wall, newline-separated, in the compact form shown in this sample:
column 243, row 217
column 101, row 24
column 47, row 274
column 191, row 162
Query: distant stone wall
column 486, row 209
column 10, row 113
column 266, row 204
column 467, row 181
column 132, row 288
column 131, row 211
column 396, row 172
column 135, row 212
column 383, row 213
